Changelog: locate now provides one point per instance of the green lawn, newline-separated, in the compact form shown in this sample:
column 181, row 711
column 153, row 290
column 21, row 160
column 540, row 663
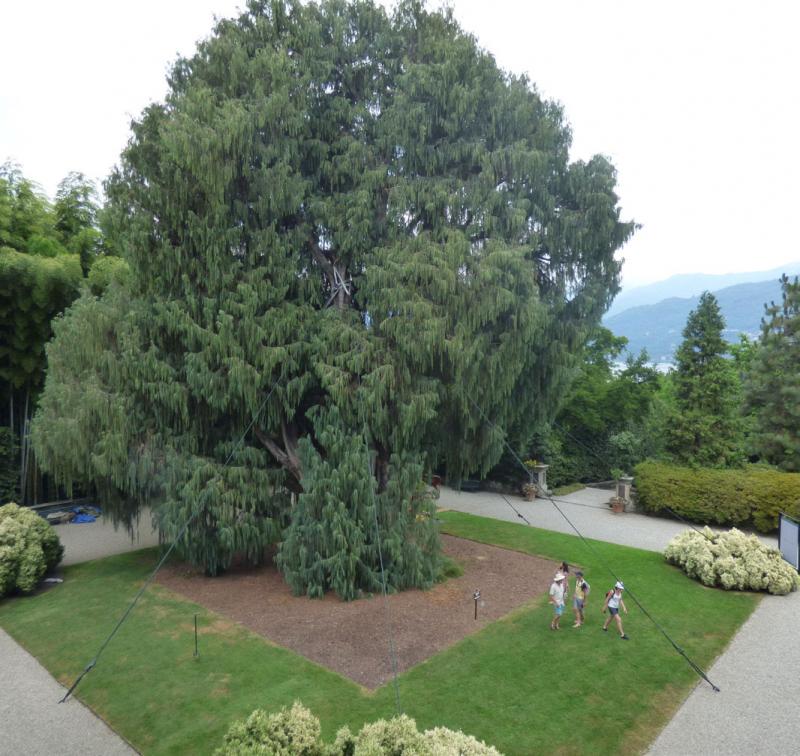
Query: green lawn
column 515, row 684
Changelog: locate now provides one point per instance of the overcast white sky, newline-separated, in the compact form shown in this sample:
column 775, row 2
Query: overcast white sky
column 696, row 103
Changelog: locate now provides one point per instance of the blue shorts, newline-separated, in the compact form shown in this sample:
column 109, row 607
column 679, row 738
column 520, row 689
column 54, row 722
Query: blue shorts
column 614, row 611
column 577, row 603
column 559, row 609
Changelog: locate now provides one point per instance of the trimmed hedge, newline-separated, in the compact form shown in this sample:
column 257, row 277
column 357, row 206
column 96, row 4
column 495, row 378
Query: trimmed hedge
column 750, row 495
column 28, row 548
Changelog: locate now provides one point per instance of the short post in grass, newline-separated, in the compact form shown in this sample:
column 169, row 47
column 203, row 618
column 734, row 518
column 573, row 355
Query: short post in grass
column 476, row 597
column 196, row 654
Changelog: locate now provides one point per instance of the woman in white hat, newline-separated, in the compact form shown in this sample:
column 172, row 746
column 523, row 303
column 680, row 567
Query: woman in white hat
column 614, row 603
column 557, row 599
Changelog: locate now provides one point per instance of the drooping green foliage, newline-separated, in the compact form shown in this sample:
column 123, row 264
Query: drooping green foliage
column 43, row 247
column 364, row 212
column 76, row 209
column 341, row 521
column 602, row 421
column 773, row 383
column 706, row 429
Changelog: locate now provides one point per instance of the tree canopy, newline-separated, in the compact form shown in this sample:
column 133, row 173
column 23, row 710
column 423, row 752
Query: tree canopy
column 773, row 383
column 706, row 428
column 363, row 214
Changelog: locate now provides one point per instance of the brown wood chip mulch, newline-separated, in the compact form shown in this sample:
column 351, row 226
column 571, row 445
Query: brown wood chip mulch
column 351, row 637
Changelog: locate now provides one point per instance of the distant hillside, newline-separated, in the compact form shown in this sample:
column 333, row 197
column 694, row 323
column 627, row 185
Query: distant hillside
column 658, row 327
column 692, row 285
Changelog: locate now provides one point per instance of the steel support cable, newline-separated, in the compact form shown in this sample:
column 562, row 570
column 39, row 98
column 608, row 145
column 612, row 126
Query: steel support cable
column 677, row 648
column 598, row 456
column 90, row 666
column 389, row 625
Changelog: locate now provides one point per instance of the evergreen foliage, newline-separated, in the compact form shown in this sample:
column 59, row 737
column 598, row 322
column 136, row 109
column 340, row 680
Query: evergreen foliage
column 45, row 250
column 706, row 429
column 363, row 211
column 773, row 383
column 752, row 495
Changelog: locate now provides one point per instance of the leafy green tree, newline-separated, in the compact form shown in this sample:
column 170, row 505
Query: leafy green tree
column 773, row 383
column 706, row 429
column 363, row 212
column 39, row 276
column 600, row 422
column 76, row 210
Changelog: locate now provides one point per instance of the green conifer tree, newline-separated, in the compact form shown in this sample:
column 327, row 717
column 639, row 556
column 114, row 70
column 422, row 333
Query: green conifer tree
column 706, row 428
column 773, row 384
column 363, row 211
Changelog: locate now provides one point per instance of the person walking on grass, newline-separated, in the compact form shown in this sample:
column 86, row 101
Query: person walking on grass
column 614, row 603
column 557, row 600
column 579, row 598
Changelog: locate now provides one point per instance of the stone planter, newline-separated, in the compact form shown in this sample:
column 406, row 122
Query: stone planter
column 539, row 478
column 617, row 504
column 624, row 487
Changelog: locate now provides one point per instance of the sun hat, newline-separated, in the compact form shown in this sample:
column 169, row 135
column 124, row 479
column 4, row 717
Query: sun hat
column 620, row 586
column 559, row 576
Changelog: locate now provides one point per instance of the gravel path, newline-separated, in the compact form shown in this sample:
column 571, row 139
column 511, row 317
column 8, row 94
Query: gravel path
column 32, row 721
column 756, row 711
column 587, row 509
column 759, row 679
column 94, row 540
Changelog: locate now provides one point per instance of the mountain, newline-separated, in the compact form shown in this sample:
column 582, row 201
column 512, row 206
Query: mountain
column 692, row 285
column 658, row 327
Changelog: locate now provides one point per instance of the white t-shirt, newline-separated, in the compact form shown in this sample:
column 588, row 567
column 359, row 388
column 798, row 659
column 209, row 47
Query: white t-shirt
column 557, row 592
column 614, row 599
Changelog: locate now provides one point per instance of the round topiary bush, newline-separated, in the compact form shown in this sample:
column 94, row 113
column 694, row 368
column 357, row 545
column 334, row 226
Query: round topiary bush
column 297, row 731
column 732, row 560
column 29, row 547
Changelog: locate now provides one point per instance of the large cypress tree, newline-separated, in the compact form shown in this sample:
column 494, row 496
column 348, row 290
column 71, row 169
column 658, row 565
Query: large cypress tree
column 706, row 430
column 773, row 384
column 364, row 212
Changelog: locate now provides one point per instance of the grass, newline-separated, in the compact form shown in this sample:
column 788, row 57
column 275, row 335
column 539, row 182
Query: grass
column 515, row 684
column 568, row 489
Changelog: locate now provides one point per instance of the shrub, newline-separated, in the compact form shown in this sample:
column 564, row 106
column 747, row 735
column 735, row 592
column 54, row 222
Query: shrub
column 297, row 731
column 28, row 548
column 751, row 494
column 732, row 560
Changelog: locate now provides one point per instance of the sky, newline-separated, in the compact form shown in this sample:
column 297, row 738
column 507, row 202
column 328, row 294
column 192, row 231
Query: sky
column 695, row 103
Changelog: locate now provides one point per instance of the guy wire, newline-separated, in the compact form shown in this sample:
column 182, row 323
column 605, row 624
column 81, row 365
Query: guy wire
column 90, row 666
column 392, row 650
column 598, row 456
column 691, row 663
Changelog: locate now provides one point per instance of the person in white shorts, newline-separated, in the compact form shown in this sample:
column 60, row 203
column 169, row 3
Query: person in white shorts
column 557, row 599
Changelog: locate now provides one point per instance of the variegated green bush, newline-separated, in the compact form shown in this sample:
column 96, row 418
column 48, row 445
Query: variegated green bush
column 732, row 560
column 297, row 731
column 28, row 548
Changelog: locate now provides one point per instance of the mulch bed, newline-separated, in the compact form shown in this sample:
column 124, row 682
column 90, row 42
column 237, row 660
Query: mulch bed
column 351, row 637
